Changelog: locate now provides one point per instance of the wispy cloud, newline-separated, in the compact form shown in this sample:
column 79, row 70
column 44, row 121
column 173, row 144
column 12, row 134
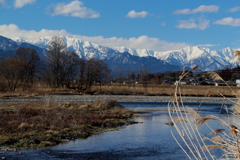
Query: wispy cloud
column 201, row 9
column 229, row 21
column 141, row 42
column 234, row 9
column 192, row 23
column 208, row 45
column 134, row 14
column 162, row 24
column 21, row 3
column 74, row 9
column 2, row 2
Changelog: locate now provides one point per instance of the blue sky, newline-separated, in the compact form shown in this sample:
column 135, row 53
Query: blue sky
column 159, row 25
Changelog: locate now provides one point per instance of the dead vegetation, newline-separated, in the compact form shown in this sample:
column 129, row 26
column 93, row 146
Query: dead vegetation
column 165, row 90
column 187, row 122
column 120, row 89
column 47, row 123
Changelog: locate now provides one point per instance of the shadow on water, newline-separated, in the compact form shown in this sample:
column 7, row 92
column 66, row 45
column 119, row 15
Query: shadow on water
column 148, row 140
column 204, row 107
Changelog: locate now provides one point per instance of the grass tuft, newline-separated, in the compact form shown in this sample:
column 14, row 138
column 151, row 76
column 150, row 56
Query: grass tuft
column 47, row 123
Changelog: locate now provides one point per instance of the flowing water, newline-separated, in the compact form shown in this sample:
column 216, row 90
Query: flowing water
column 149, row 140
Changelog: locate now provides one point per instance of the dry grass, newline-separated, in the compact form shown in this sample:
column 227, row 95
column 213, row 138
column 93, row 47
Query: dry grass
column 196, row 145
column 236, row 107
column 128, row 89
column 39, row 121
column 166, row 90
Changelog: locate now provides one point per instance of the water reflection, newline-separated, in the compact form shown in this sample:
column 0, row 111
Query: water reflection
column 148, row 140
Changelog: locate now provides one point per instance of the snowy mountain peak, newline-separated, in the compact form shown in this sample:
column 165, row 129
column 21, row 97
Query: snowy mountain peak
column 190, row 56
column 19, row 39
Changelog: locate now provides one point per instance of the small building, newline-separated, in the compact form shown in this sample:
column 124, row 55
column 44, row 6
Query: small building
column 237, row 81
column 183, row 82
column 220, row 84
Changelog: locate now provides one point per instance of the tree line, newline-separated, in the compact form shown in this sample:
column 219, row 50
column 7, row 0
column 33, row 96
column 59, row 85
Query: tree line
column 59, row 68
column 229, row 74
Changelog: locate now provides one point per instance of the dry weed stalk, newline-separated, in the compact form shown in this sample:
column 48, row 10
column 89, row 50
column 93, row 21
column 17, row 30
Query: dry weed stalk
column 217, row 131
column 216, row 77
column 196, row 145
column 211, row 147
column 236, row 55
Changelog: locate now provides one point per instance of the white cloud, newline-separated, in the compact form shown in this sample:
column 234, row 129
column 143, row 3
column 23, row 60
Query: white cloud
column 234, row 9
column 141, row 42
column 201, row 24
column 21, row 3
column 74, row 9
column 201, row 9
column 13, row 30
column 162, row 24
column 134, row 14
column 229, row 21
column 2, row 2
column 208, row 45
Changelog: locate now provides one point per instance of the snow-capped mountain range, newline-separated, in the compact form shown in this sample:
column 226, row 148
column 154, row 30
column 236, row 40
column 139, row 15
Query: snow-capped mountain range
column 190, row 56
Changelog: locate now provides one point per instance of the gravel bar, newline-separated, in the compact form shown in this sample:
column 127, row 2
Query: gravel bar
column 120, row 98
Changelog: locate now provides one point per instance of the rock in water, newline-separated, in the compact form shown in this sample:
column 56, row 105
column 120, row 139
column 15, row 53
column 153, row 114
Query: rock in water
column 169, row 123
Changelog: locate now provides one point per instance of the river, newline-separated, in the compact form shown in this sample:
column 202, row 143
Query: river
column 150, row 139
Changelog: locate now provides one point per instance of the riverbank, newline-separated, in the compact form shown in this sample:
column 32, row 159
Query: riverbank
column 92, row 98
column 150, row 139
column 42, row 123
column 66, row 101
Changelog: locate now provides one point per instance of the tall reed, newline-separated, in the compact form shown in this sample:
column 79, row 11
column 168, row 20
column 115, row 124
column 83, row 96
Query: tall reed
column 222, row 142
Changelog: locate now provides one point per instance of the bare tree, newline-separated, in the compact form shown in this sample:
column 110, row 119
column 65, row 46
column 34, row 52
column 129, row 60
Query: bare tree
column 120, row 75
column 69, row 68
column 102, row 72
column 91, row 71
column 9, row 69
column 65, row 68
column 54, row 60
column 131, row 77
column 29, row 64
column 81, row 81
column 61, row 65
column 144, row 77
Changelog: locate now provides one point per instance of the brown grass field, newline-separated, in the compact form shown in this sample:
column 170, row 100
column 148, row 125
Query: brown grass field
column 166, row 90
column 133, row 89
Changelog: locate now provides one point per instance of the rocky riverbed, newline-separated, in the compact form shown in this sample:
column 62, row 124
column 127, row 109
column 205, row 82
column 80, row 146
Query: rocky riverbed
column 119, row 98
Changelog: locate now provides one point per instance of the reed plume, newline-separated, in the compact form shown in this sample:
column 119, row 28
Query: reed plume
column 211, row 147
column 215, row 76
column 236, row 55
column 187, row 122
column 195, row 67
column 178, row 119
column 201, row 121
column 217, row 131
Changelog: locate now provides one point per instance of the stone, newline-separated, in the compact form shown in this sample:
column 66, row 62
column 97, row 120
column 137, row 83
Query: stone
column 169, row 123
